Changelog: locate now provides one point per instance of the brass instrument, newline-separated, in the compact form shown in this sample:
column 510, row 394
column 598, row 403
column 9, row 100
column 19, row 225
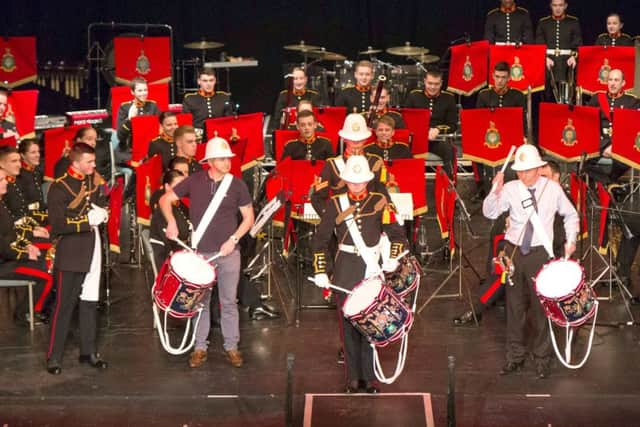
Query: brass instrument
column 579, row 95
column 374, row 104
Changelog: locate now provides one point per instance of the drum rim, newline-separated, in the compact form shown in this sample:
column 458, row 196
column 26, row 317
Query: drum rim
column 581, row 283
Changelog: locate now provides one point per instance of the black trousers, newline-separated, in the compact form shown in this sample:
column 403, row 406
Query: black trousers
column 69, row 289
column 446, row 152
column 522, row 302
column 358, row 354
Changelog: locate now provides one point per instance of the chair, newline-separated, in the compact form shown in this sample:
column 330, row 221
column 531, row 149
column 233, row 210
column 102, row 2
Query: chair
column 6, row 283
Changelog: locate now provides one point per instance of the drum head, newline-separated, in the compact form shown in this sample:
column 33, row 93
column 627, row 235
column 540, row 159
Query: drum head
column 192, row 268
column 559, row 278
column 363, row 295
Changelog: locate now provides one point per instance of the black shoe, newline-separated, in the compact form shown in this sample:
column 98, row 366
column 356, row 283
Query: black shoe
column 635, row 301
column 24, row 319
column 542, row 371
column 262, row 312
column 466, row 317
column 352, row 387
column 93, row 360
column 341, row 356
column 53, row 367
column 511, row 367
column 373, row 387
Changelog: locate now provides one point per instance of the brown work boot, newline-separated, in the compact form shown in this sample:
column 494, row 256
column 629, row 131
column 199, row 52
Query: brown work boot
column 235, row 357
column 198, row 357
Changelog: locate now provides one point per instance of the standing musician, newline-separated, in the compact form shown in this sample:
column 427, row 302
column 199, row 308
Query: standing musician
column 444, row 115
column 215, row 220
column 162, row 246
column 508, row 24
column 30, row 179
column 562, row 35
column 614, row 35
column 164, row 143
column 7, row 117
column 357, row 98
column 372, row 213
column 298, row 93
column 384, row 146
column 206, row 103
column 529, row 198
column 138, row 106
column 20, row 259
column 186, row 146
column 87, row 135
column 383, row 109
column 354, row 133
column 308, row 146
column 76, row 210
column 608, row 102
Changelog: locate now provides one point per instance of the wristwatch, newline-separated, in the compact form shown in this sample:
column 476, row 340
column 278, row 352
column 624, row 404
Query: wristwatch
column 235, row 239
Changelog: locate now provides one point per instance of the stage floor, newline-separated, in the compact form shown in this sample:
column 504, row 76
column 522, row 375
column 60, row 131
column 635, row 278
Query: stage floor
column 145, row 386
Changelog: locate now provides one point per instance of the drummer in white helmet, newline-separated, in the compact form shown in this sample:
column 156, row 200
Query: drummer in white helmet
column 532, row 202
column 371, row 213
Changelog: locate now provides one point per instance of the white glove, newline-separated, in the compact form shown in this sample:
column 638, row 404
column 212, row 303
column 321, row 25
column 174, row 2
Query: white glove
column 390, row 265
column 104, row 211
column 322, row 280
column 96, row 217
column 133, row 110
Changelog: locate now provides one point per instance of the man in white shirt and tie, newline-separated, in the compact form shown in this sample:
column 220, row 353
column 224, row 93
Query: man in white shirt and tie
column 532, row 202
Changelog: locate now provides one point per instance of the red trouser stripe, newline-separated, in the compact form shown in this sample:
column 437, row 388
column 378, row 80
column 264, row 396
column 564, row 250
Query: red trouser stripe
column 48, row 284
column 492, row 290
column 55, row 315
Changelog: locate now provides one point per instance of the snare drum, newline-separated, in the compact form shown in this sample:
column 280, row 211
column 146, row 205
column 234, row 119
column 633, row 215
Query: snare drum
column 377, row 312
column 406, row 278
column 182, row 282
column 563, row 293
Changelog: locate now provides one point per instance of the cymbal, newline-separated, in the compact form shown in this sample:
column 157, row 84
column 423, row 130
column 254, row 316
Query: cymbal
column 428, row 59
column 203, row 45
column 325, row 55
column 301, row 47
column 369, row 51
column 407, row 50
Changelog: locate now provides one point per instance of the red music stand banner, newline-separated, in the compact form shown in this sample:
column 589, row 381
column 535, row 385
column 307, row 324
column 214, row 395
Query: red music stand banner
column 55, row 142
column 407, row 176
column 468, row 67
column 146, row 57
column 18, row 61
column 247, row 126
column 24, row 104
column 184, row 119
column 487, row 136
column 332, row 118
column 569, row 132
column 625, row 143
column 148, row 180
column 157, row 92
column 527, row 64
column 143, row 130
column 417, row 120
column 597, row 61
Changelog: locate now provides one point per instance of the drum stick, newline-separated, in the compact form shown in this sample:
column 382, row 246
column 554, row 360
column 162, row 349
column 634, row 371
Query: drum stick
column 504, row 167
column 337, row 288
column 180, row 242
column 214, row 257
column 403, row 254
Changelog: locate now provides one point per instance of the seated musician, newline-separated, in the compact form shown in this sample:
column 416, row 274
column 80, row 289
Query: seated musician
column 206, row 103
column 7, row 117
column 308, row 146
column 31, row 177
column 357, row 98
column 614, row 35
column 162, row 246
column 179, row 164
column 383, row 109
column 298, row 93
column 164, row 143
column 186, row 146
column 20, row 259
column 86, row 135
column 306, row 105
column 138, row 106
column 444, row 115
column 373, row 214
column 385, row 146
column 608, row 102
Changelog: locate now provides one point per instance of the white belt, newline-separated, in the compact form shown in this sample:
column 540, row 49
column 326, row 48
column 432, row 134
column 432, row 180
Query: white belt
column 505, row 43
column 558, row 52
column 352, row 249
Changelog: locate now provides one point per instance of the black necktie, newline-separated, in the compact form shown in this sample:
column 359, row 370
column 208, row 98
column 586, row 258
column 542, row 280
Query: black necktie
column 525, row 247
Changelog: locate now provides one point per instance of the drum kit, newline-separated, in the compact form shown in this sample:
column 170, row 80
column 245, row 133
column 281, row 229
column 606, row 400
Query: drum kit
column 401, row 78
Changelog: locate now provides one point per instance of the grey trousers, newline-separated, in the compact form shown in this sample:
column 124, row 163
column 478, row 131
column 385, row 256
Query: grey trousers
column 227, row 274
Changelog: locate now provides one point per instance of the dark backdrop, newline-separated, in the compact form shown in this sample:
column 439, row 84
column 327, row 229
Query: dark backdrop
column 260, row 29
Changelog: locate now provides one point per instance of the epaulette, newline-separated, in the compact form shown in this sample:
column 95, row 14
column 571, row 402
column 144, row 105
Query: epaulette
column 289, row 141
column 150, row 100
column 374, row 155
column 191, row 94
column 603, row 35
column 393, row 112
column 447, row 93
column 401, row 143
column 546, row 18
column 126, row 102
column 485, row 89
column 626, row 35
column 284, row 91
column 522, row 9
column 61, row 178
column 493, row 11
column 571, row 17
column 221, row 92
column 312, row 91
column 599, row 91
column 348, row 87
column 417, row 91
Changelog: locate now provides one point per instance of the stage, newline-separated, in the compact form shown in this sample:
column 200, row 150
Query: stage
column 146, row 386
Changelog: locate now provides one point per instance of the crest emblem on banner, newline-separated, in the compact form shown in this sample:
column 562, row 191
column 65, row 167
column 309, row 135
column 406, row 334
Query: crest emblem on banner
column 492, row 136
column 603, row 74
column 467, row 70
column 569, row 135
column 636, row 144
column 143, row 66
column 517, row 72
column 8, row 61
